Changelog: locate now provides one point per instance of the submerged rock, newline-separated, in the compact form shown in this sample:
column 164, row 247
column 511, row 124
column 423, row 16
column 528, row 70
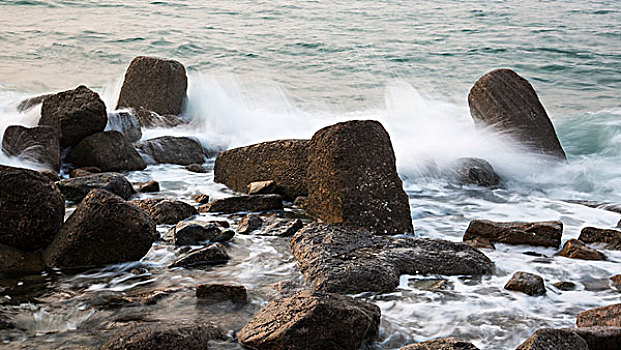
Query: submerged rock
column 172, row 150
column 575, row 249
column 507, row 102
column 147, row 187
column 473, row 171
column 211, row 255
column 148, row 119
column 554, row 339
column 166, row 211
column 76, row 189
column 40, row 144
column 194, row 232
column 256, row 203
column 311, row 321
column 442, row 344
column 14, row 261
column 611, row 238
column 602, row 316
column 526, row 283
column 565, row 285
column 125, row 123
column 352, row 179
column 221, row 292
column 543, row 233
column 108, row 151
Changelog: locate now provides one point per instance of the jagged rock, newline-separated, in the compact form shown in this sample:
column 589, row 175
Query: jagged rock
column 599, row 338
column 565, row 285
column 75, row 113
column 40, row 144
column 125, row 123
column 526, row 283
column 84, row 171
column 352, row 179
column 507, row 102
column 14, row 261
column 543, row 233
column 256, row 203
column 108, row 151
column 77, row 188
column 196, row 168
column 311, row 320
column 31, row 102
column 282, row 161
column 201, row 198
column 602, row 316
column 575, row 249
column 442, row 344
column 172, row 150
column 341, row 259
column 281, row 227
column 611, row 238
column 262, row 187
column 32, row 209
column 554, row 339
column 166, row 211
column 221, row 292
column 147, row 187
column 211, row 255
column 104, row 229
column 473, row 171
column 194, row 232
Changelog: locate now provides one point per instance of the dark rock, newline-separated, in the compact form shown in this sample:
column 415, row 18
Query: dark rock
column 575, row 249
column 543, row 233
column 125, row 123
column 527, row 283
column 32, row 209
column 442, row 344
column 211, row 255
column 256, row 203
column 479, row 243
column 352, row 179
column 554, row 339
column 5, row 323
column 201, row 198
column 155, row 84
column 172, row 150
column 341, row 259
column 473, row 171
column 104, row 229
column 432, row 285
column 109, row 151
column 147, row 187
column 50, row 174
column 616, row 281
column 196, row 168
column 84, row 171
column 166, row 211
column 148, row 119
column 107, row 300
column 599, row 338
column 77, row 188
column 283, row 161
column 507, row 102
column 564, row 285
column 14, row 261
column 31, row 102
column 262, row 187
column 194, row 232
column 611, row 238
column 309, row 321
column 249, row 223
column 221, row 292
column 76, row 113
column 281, row 227
column 40, row 144
column 602, row 316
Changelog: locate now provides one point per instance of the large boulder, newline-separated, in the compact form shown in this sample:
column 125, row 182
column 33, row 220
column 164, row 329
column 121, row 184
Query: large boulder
column 104, row 229
column 507, row 102
column 554, row 339
column 341, row 259
column 172, row 150
column 442, row 344
column 543, row 233
column 610, row 238
column 283, row 161
column 108, row 151
column 527, row 283
column 259, row 202
column 31, row 102
column 125, row 123
column 154, row 84
column 311, row 321
column 166, row 211
column 14, row 261
column 32, row 209
column 352, row 178
column 75, row 189
column 40, row 144
column 76, row 113
column 599, row 338
column 602, row 316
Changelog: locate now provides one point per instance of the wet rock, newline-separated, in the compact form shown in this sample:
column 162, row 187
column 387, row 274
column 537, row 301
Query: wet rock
column 256, row 203
column 84, row 171
column 564, row 285
column 543, row 233
column 341, row 259
column 611, row 238
column 602, row 316
column 5, row 323
column 108, row 151
column 479, row 243
column 283, row 289
column 172, row 150
column 77, row 188
column 125, row 123
column 165, row 336
column 147, row 187
column 526, row 283
column 300, row 202
column 221, row 292
column 107, row 300
column 194, row 232
column 473, row 171
column 118, row 230
column 432, row 285
column 14, row 261
column 196, row 168
column 249, row 223
column 40, row 144
column 166, row 211
column 211, row 255
column 505, row 101
column 599, row 338
column 76, row 113
column 575, row 249
column 281, row 227
column 32, row 102
column 32, row 209
column 352, row 179
column 262, row 187
column 50, row 174
column 616, row 281
column 282, row 161
column 155, row 84
column 311, row 320
column 554, row 339
column 442, row 344
column 201, row 198
column 615, row 208
column 148, row 119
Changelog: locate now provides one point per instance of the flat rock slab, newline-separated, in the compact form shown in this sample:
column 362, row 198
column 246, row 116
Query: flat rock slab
column 602, row 316
column 526, row 283
column 554, row 339
column 76, row 189
column 255, row 203
column 221, row 292
column 442, row 344
column 108, row 151
column 610, row 238
column 211, row 255
column 575, row 249
column 341, row 259
column 543, row 233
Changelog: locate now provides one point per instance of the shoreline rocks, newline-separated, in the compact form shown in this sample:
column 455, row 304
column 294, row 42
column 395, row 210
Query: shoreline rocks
column 575, row 249
column 108, row 151
column 473, row 171
column 610, row 238
column 213, row 254
column 39, row 144
column 221, row 292
column 609, row 316
column 166, row 211
column 526, row 283
column 543, row 233
column 255, row 203
column 75, row 189
column 172, row 150
column 442, row 344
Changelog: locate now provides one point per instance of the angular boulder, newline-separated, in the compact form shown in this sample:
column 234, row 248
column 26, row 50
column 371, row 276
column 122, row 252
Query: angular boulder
column 213, row 254
column 473, row 171
column 610, row 238
column 256, row 203
column 503, row 100
column 602, row 316
column 75, row 189
column 14, row 261
column 166, row 211
column 172, row 150
column 599, row 338
column 108, row 151
column 554, row 339
column 575, row 249
column 352, row 178
column 40, row 144
column 75, row 113
column 543, row 233
column 221, row 292
column 311, row 321
column 442, row 344
column 526, row 283
column 125, row 123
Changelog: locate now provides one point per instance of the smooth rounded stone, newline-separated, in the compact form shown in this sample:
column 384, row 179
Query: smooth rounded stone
column 505, row 101
column 602, row 316
column 108, row 151
column 32, row 209
column 565, row 285
column 77, row 188
column 611, row 238
column 255, row 203
column 76, row 113
column 221, row 292
column 442, row 344
column 147, row 187
column 31, row 102
column 148, row 119
column 84, row 171
column 473, row 171
column 155, row 84
column 262, row 187
column 104, row 229
column 165, row 336
column 196, row 168
column 575, row 249
column 14, row 261
column 166, row 211
column 213, row 254
column 543, row 233
column 172, row 150
column 342, row 259
column 125, row 123
column 526, row 283
column 600, row 338
column 554, row 339
column 50, row 174
column 352, row 179
column 201, row 198
column 311, row 320
column 282, row 161
column 194, row 232
column 249, row 223
column 39, row 144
